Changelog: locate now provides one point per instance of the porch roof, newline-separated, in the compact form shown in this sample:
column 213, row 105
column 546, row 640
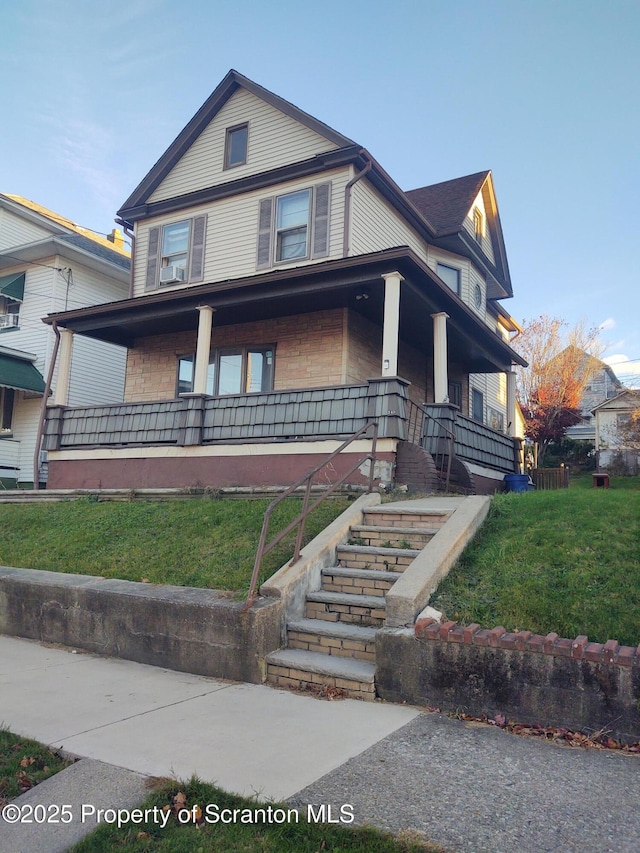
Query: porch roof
column 300, row 290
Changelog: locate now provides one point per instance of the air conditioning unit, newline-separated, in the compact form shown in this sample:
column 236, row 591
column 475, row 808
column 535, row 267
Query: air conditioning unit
column 171, row 274
column 8, row 320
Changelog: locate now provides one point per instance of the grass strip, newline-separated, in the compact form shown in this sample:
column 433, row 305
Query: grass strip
column 198, row 543
column 272, row 836
column 24, row 763
column 565, row 561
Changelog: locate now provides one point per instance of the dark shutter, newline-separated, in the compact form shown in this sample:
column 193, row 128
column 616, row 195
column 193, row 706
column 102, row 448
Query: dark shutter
column 196, row 261
column 264, row 233
column 321, row 198
column 153, row 258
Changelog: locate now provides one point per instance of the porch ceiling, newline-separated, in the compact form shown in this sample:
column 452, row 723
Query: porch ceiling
column 334, row 284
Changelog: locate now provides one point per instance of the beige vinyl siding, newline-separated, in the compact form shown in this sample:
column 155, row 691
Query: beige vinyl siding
column 375, row 225
column 468, row 225
column 274, row 140
column 16, row 231
column 469, row 277
column 232, row 231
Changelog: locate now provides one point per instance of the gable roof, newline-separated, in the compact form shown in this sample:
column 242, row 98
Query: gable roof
column 446, row 204
column 66, row 225
column 633, row 400
column 207, row 112
column 437, row 212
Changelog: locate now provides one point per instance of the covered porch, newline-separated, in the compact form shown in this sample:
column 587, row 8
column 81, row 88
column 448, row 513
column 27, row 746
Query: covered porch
column 321, row 332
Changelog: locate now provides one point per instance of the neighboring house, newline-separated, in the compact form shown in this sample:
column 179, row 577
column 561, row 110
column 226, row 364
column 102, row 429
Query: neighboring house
column 602, row 386
column 285, row 291
column 610, row 416
column 48, row 263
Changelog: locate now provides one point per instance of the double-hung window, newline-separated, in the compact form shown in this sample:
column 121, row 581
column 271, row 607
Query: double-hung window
column 294, row 226
column 232, row 370
column 175, row 246
column 175, row 252
column 235, row 147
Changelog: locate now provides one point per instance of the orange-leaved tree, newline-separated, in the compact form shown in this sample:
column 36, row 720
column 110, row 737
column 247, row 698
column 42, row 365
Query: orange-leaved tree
column 562, row 361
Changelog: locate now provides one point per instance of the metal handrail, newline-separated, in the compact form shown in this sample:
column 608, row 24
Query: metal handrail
column 264, row 547
column 417, row 418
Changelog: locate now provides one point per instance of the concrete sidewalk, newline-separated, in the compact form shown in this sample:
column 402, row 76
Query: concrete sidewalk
column 473, row 789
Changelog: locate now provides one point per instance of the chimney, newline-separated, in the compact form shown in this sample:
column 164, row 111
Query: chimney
column 117, row 238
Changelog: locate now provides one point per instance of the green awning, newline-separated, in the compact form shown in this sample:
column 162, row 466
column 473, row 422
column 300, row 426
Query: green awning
column 20, row 374
column 12, row 285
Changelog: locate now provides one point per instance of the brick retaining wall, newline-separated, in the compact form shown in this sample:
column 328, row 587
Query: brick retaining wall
column 531, row 678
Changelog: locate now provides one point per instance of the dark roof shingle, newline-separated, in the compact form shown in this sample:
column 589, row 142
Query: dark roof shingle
column 446, row 204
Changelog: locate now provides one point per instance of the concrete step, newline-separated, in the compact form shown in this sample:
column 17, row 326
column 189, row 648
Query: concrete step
column 301, row 669
column 333, row 638
column 342, row 607
column 375, row 557
column 394, row 516
column 392, row 537
column 358, row 581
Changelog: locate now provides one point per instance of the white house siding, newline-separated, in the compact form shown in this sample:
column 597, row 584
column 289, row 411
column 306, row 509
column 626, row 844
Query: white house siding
column 97, row 373
column 485, row 242
column 375, row 225
column 15, row 231
column 25, row 428
column 274, row 140
column 31, row 335
column 494, row 390
column 232, row 231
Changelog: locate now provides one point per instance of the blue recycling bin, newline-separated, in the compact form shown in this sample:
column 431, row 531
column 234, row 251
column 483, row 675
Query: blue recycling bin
column 517, row 482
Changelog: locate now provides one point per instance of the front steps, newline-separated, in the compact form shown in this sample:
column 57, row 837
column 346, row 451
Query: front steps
column 333, row 646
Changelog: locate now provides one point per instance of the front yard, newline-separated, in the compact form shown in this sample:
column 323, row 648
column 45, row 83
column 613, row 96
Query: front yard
column 566, row 561
column 198, row 542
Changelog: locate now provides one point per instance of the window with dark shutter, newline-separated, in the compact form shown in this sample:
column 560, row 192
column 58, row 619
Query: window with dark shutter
column 264, row 233
column 322, row 196
column 196, row 262
column 151, row 280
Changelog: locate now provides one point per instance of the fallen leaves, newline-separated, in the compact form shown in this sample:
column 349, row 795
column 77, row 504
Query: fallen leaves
column 554, row 734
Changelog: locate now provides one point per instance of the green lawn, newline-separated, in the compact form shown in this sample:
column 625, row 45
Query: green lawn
column 565, row 561
column 238, row 837
column 199, row 542
column 23, row 764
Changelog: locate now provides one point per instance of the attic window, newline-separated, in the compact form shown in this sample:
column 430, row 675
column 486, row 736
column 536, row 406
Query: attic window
column 235, row 148
column 450, row 276
column 478, row 224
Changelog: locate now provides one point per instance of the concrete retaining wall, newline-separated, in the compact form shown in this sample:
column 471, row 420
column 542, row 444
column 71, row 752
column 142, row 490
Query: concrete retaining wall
column 190, row 630
column 527, row 677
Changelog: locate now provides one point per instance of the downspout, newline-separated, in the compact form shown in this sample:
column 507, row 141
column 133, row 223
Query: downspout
column 43, row 406
column 132, row 238
column 347, row 208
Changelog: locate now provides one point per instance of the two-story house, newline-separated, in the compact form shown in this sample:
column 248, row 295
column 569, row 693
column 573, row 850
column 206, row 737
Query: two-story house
column 48, row 264
column 285, row 292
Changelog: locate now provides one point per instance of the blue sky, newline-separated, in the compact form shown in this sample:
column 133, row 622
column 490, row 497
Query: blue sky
column 543, row 92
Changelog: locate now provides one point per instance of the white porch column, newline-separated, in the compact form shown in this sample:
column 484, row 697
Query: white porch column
column 203, row 348
column 61, row 395
column 391, row 323
column 440, row 368
column 511, row 403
